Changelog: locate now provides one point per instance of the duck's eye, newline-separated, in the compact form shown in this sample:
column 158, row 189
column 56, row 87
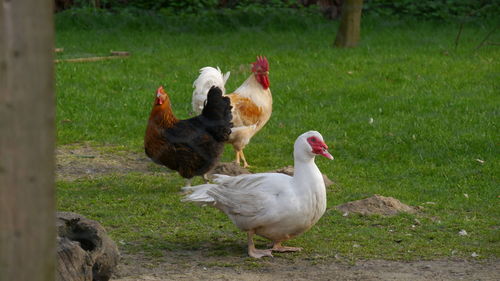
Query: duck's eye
column 313, row 139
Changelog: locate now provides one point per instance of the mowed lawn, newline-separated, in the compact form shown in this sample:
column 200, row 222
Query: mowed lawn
column 407, row 114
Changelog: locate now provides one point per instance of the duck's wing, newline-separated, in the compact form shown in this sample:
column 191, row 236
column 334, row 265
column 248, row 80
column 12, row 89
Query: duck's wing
column 249, row 195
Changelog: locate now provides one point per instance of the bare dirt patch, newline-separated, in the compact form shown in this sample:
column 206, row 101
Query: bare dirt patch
column 85, row 161
column 196, row 266
column 230, row 169
column 377, row 204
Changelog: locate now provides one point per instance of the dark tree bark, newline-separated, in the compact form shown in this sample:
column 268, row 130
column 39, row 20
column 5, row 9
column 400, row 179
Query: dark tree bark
column 27, row 140
column 350, row 24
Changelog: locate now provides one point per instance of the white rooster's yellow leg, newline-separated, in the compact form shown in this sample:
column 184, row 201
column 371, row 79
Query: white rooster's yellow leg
column 277, row 247
column 205, row 178
column 237, row 160
column 245, row 164
column 254, row 253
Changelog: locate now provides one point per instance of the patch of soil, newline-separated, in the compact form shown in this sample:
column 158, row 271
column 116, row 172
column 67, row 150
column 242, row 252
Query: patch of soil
column 197, row 266
column 229, row 168
column 380, row 205
column 73, row 162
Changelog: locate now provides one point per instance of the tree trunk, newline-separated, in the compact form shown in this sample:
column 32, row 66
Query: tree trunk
column 350, row 23
column 27, row 140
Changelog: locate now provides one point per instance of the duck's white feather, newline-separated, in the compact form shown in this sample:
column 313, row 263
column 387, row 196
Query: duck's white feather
column 276, row 206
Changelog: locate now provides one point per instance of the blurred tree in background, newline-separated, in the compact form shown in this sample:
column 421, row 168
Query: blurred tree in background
column 350, row 24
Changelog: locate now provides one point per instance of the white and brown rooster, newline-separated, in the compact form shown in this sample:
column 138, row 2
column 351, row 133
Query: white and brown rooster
column 252, row 102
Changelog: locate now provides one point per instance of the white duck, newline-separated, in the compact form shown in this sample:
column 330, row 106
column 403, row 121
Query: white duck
column 272, row 205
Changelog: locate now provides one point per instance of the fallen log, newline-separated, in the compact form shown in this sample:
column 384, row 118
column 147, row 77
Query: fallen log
column 84, row 252
column 114, row 55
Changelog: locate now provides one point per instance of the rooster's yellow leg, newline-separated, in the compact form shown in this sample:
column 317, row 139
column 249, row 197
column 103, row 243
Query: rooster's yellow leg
column 237, row 160
column 278, row 248
column 205, row 178
column 254, row 253
column 245, row 164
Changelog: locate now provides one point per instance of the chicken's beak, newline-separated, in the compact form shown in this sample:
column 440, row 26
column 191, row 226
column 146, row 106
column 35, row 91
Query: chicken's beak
column 159, row 93
column 158, row 97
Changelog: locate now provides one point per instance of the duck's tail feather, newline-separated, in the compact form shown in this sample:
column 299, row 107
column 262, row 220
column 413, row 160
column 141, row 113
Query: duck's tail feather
column 198, row 194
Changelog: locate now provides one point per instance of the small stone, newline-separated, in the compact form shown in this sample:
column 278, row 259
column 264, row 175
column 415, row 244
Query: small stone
column 474, row 255
column 462, row 232
column 427, row 266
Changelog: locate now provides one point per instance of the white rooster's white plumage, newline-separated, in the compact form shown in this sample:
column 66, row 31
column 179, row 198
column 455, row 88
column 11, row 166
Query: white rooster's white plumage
column 208, row 78
column 273, row 205
column 252, row 102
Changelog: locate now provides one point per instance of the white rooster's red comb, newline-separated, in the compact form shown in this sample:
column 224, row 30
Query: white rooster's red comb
column 261, row 65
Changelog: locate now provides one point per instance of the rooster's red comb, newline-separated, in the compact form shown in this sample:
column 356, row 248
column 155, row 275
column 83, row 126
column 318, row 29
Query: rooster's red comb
column 261, row 65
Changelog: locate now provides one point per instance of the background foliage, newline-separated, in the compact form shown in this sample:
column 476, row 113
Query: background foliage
column 419, row 9
column 434, row 9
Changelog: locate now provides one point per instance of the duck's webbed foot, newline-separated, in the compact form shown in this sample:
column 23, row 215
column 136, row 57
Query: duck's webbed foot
column 277, row 247
column 254, row 253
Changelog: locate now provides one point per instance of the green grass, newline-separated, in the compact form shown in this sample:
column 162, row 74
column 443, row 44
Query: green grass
column 435, row 110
